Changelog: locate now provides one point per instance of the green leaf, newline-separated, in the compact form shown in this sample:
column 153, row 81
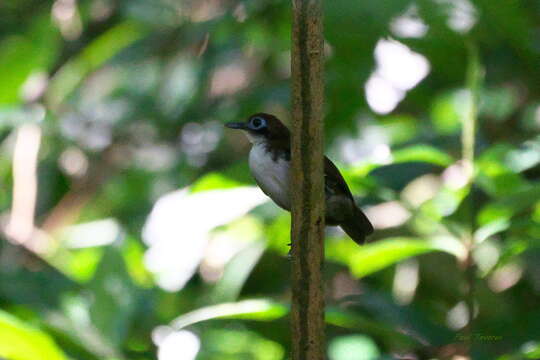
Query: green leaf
column 411, row 321
column 73, row 322
column 374, row 257
column 133, row 254
column 247, row 345
column 498, row 102
column 231, row 177
column 448, row 109
column 81, row 264
column 490, row 229
column 267, row 310
column 496, row 175
column 21, row 55
column 13, row 54
column 354, row 320
column 339, row 250
column 214, row 181
column 508, row 206
column 401, row 128
column 531, row 350
column 236, row 273
column 353, row 347
column 422, row 153
column 277, row 231
column 20, row 341
column 94, row 55
column 115, row 297
column 263, row 310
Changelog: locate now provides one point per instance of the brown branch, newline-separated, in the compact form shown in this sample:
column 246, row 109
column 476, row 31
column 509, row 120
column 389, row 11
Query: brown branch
column 307, row 231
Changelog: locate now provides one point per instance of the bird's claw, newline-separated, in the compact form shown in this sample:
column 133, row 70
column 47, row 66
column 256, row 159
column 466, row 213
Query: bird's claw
column 289, row 254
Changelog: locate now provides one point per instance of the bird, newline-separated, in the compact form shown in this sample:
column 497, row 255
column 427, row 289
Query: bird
column 270, row 164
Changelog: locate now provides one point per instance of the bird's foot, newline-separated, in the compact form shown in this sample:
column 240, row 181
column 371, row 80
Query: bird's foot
column 289, row 254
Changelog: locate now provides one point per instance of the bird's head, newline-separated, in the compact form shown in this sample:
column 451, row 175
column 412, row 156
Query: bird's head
column 262, row 127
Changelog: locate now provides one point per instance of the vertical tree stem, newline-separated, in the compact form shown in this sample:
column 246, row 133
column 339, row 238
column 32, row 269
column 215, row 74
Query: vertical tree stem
column 307, row 231
column 468, row 135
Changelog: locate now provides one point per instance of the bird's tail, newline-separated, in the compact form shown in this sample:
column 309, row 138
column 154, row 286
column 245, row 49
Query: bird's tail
column 357, row 226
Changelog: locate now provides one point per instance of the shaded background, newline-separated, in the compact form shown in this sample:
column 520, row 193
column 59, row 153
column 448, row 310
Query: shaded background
column 130, row 226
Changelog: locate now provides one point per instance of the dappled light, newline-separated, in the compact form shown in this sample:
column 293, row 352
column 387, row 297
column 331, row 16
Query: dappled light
column 177, row 345
column 20, row 227
column 462, row 15
column 398, row 70
column 409, row 24
column 177, row 247
column 387, row 215
column 406, row 281
column 131, row 226
column 457, row 317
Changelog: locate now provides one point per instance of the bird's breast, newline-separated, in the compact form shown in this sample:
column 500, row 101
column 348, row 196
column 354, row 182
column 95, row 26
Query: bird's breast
column 271, row 174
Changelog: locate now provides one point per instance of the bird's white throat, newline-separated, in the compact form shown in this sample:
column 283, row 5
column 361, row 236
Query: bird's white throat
column 255, row 139
column 271, row 174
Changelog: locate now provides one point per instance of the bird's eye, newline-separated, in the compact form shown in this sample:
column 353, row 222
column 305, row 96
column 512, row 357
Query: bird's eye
column 258, row 123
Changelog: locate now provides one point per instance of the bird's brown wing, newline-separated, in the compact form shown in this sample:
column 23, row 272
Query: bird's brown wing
column 334, row 180
column 352, row 220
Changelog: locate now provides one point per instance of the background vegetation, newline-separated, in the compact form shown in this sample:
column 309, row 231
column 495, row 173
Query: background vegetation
column 129, row 225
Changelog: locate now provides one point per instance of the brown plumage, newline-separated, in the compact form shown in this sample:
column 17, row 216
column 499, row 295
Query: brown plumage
column 269, row 162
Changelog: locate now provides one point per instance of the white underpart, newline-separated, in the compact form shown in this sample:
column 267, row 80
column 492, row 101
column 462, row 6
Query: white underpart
column 271, row 176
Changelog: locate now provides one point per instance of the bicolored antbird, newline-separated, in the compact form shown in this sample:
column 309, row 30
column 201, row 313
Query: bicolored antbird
column 269, row 162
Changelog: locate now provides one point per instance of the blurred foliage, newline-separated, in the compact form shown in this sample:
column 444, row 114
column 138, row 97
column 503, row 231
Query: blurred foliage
column 115, row 105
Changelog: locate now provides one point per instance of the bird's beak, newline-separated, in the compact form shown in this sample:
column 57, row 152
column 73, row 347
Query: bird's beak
column 236, row 125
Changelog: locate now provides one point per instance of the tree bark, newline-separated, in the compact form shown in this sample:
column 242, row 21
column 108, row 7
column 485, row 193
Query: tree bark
column 307, row 230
